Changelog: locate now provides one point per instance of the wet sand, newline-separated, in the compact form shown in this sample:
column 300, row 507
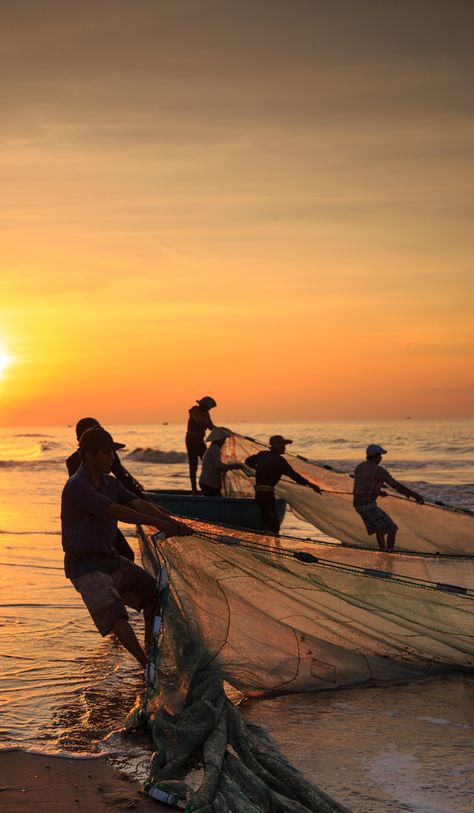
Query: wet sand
column 31, row 782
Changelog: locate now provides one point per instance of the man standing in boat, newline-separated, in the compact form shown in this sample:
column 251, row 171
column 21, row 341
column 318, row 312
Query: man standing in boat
column 198, row 423
column 269, row 468
column 92, row 502
column 369, row 477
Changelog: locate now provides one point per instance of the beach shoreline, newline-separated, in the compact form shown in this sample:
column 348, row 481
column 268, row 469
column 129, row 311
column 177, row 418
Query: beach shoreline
column 42, row 782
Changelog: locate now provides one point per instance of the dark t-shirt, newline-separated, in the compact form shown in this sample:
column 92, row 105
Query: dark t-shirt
column 199, row 421
column 88, row 534
column 269, row 468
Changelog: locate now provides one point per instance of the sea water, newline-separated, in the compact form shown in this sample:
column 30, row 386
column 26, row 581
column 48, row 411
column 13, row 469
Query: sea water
column 65, row 689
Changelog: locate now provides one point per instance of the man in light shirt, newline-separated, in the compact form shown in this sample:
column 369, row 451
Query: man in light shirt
column 369, row 478
column 213, row 468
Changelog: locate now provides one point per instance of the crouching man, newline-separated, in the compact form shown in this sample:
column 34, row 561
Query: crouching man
column 92, row 502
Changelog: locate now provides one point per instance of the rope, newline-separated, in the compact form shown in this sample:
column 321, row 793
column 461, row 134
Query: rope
column 194, row 523
column 327, row 467
column 307, row 558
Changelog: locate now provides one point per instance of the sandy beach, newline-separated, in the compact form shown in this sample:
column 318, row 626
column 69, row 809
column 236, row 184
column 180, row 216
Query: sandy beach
column 32, row 783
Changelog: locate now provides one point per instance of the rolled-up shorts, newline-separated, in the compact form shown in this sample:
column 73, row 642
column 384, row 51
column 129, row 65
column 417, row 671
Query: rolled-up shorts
column 375, row 519
column 106, row 595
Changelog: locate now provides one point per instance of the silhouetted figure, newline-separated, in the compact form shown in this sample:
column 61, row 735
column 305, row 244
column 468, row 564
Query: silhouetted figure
column 92, row 502
column 198, row 423
column 213, row 469
column 74, row 461
column 369, row 477
column 269, row 468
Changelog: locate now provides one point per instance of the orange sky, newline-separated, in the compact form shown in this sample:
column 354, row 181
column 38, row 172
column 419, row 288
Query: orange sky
column 267, row 202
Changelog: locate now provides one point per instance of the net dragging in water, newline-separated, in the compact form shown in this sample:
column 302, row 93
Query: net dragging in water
column 266, row 616
column 428, row 528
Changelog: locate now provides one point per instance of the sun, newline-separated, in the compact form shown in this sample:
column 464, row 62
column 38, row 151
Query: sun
column 5, row 361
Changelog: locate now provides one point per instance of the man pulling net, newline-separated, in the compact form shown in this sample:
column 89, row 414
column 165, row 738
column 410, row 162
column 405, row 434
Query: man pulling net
column 369, row 477
column 269, row 468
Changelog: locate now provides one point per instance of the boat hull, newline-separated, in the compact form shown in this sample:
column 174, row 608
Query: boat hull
column 236, row 512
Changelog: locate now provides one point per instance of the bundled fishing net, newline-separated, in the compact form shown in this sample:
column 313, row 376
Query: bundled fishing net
column 429, row 528
column 260, row 615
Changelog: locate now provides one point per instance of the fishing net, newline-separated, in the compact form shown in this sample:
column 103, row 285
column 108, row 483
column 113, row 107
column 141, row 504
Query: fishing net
column 259, row 614
column 429, row 528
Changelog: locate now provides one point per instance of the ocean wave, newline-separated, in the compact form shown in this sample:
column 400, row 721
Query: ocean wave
column 47, row 445
column 439, row 463
column 454, row 496
column 32, row 435
column 406, row 465
column 148, row 455
column 29, row 533
column 455, row 449
column 30, row 464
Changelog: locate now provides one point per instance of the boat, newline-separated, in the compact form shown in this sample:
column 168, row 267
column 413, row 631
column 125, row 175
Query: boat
column 236, row 512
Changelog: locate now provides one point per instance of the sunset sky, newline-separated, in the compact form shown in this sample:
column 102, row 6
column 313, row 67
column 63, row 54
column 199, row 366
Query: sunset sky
column 267, row 201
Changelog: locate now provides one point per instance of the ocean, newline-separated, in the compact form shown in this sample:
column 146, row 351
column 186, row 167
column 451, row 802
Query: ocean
column 64, row 689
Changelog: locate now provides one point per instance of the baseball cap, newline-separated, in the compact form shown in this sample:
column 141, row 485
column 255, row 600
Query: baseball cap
column 97, row 439
column 278, row 440
column 374, row 448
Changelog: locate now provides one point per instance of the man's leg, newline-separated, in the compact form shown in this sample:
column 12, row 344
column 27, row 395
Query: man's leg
column 391, row 536
column 193, row 464
column 269, row 513
column 124, row 632
column 380, row 539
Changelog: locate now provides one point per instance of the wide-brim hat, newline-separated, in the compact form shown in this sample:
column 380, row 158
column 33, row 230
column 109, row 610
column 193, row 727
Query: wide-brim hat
column 279, row 440
column 218, row 433
column 98, row 439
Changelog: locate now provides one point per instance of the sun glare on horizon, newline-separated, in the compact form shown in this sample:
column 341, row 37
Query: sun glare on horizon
column 5, row 361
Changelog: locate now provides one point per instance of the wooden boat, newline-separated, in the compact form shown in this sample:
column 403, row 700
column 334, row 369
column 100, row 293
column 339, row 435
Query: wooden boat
column 237, row 512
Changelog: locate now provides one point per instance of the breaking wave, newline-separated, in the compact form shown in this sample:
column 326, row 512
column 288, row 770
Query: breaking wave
column 48, row 445
column 31, row 435
column 148, row 455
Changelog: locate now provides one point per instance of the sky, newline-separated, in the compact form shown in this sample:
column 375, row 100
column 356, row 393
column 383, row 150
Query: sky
column 266, row 201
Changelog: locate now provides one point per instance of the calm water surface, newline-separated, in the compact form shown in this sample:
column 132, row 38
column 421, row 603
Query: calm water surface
column 65, row 689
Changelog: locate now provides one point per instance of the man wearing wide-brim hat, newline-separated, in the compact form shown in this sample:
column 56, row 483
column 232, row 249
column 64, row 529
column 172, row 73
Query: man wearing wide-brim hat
column 213, row 468
column 369, row 477
column 269, row 467
column 92, row 502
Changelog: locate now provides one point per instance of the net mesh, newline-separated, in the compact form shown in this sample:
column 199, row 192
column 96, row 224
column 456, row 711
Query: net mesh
column 429, row 528
column 254, row 614
column 262, row 614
